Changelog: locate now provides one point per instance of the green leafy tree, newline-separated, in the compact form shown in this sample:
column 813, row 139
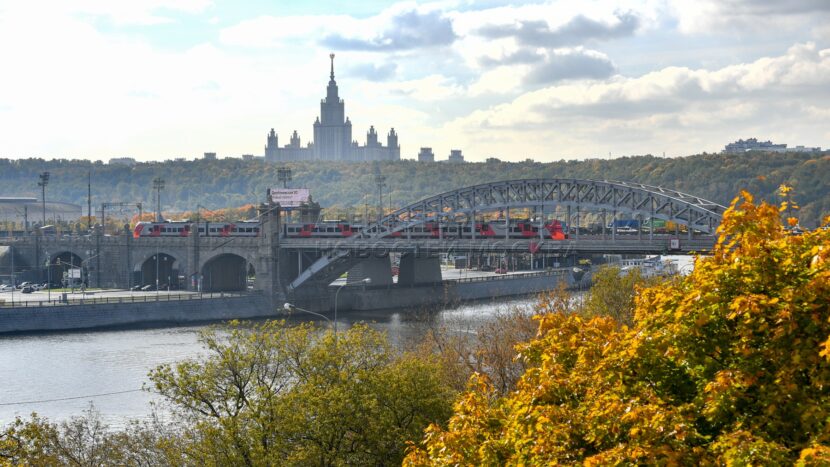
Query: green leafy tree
column 84, row 441
column 274, row 395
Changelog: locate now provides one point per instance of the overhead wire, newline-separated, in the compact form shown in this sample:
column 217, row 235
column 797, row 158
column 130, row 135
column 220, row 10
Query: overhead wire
column 60, row 399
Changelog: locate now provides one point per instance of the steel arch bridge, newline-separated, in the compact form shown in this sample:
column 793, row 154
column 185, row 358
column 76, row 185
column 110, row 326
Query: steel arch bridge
column 619, row 197
column 544, row 195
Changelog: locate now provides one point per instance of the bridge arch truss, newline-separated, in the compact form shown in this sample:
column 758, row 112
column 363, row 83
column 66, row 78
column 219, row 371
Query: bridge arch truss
column 548, row 193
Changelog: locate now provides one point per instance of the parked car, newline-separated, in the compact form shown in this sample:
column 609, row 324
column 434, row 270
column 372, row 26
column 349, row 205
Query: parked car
column 147, row 288
column 23, row 284
column 135, row 288
column 27, row 289
column 501, row 271
column 485, row 268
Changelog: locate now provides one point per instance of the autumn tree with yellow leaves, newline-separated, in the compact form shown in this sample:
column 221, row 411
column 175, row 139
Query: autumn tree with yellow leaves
column 729, row 365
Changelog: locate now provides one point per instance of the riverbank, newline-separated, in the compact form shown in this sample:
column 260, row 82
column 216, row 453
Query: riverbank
column 183, row 309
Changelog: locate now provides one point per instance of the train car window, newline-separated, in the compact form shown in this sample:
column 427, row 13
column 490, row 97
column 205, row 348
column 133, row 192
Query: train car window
column 330, row 229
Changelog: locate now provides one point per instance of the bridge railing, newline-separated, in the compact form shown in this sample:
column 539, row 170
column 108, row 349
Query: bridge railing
column 162, row 297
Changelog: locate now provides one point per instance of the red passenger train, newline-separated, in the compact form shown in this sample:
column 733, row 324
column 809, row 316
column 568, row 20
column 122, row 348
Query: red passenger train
column 553, row 230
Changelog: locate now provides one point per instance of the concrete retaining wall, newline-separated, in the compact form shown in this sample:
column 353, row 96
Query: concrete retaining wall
column 74, row 317
column 171, row 313
column 452, row 292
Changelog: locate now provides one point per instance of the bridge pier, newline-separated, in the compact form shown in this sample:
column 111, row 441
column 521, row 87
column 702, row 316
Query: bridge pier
column 418, row 270
column 268, row 269
column 376, row 268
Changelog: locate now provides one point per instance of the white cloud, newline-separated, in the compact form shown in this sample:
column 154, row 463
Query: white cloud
column 674, row 107
column 72, row 87
column 759, row 16
column 275, row 31
column 145, row 12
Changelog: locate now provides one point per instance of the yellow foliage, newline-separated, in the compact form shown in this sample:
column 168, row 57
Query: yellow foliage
column 729, row 365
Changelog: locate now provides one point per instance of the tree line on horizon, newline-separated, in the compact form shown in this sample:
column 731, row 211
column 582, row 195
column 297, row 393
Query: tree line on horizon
column 351, row 187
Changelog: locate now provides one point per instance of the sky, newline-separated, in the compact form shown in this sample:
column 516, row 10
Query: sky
column 154, row 79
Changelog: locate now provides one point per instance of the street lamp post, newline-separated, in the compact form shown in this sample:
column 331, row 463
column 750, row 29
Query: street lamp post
column 86, row 261
column 157, row 272
column 14, row 280
column 289, row 308
column 48, row 277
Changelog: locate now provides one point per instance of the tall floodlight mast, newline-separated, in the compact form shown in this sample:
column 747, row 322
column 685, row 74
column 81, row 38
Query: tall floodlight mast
column 44, row 180
column 284, row 176
column 158, row 185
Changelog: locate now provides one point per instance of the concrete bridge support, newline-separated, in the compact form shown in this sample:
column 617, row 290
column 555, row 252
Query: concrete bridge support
column 418, row 270
column 269, row 258
column 377, row 268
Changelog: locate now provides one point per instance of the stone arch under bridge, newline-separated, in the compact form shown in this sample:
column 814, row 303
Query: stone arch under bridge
column 544, row 195
column 61, row 262
column 161, row 266
column 227, row 272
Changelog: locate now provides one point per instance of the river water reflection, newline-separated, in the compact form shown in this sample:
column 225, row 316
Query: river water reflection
column 35, row 370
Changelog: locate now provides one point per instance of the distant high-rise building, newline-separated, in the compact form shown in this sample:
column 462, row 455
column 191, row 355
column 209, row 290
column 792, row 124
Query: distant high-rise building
column 210, row 156
column 333, row 137
column 752, row 144
column 122, row 161
column 455, row 157
column 426, row 155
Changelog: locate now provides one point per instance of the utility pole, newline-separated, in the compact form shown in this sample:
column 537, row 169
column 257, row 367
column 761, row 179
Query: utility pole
column 89, row 201
column 116, row 204
column 158, row 185
column 44, row 180
column 380, row 181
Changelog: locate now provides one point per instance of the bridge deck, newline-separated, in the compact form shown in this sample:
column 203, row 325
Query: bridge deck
column 701, row 244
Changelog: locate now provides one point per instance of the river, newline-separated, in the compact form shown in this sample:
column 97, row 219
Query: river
column 59, row 375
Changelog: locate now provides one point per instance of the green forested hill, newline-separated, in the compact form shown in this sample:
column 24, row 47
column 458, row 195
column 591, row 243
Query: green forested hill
column 233, row 182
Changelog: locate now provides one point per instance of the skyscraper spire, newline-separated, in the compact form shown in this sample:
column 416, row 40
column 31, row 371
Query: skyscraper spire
column 331, row 56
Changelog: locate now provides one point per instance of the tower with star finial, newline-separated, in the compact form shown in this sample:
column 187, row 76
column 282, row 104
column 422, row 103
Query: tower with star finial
column 333, row 136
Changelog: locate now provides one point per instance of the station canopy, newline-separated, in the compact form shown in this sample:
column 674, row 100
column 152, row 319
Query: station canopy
column 15, row 209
